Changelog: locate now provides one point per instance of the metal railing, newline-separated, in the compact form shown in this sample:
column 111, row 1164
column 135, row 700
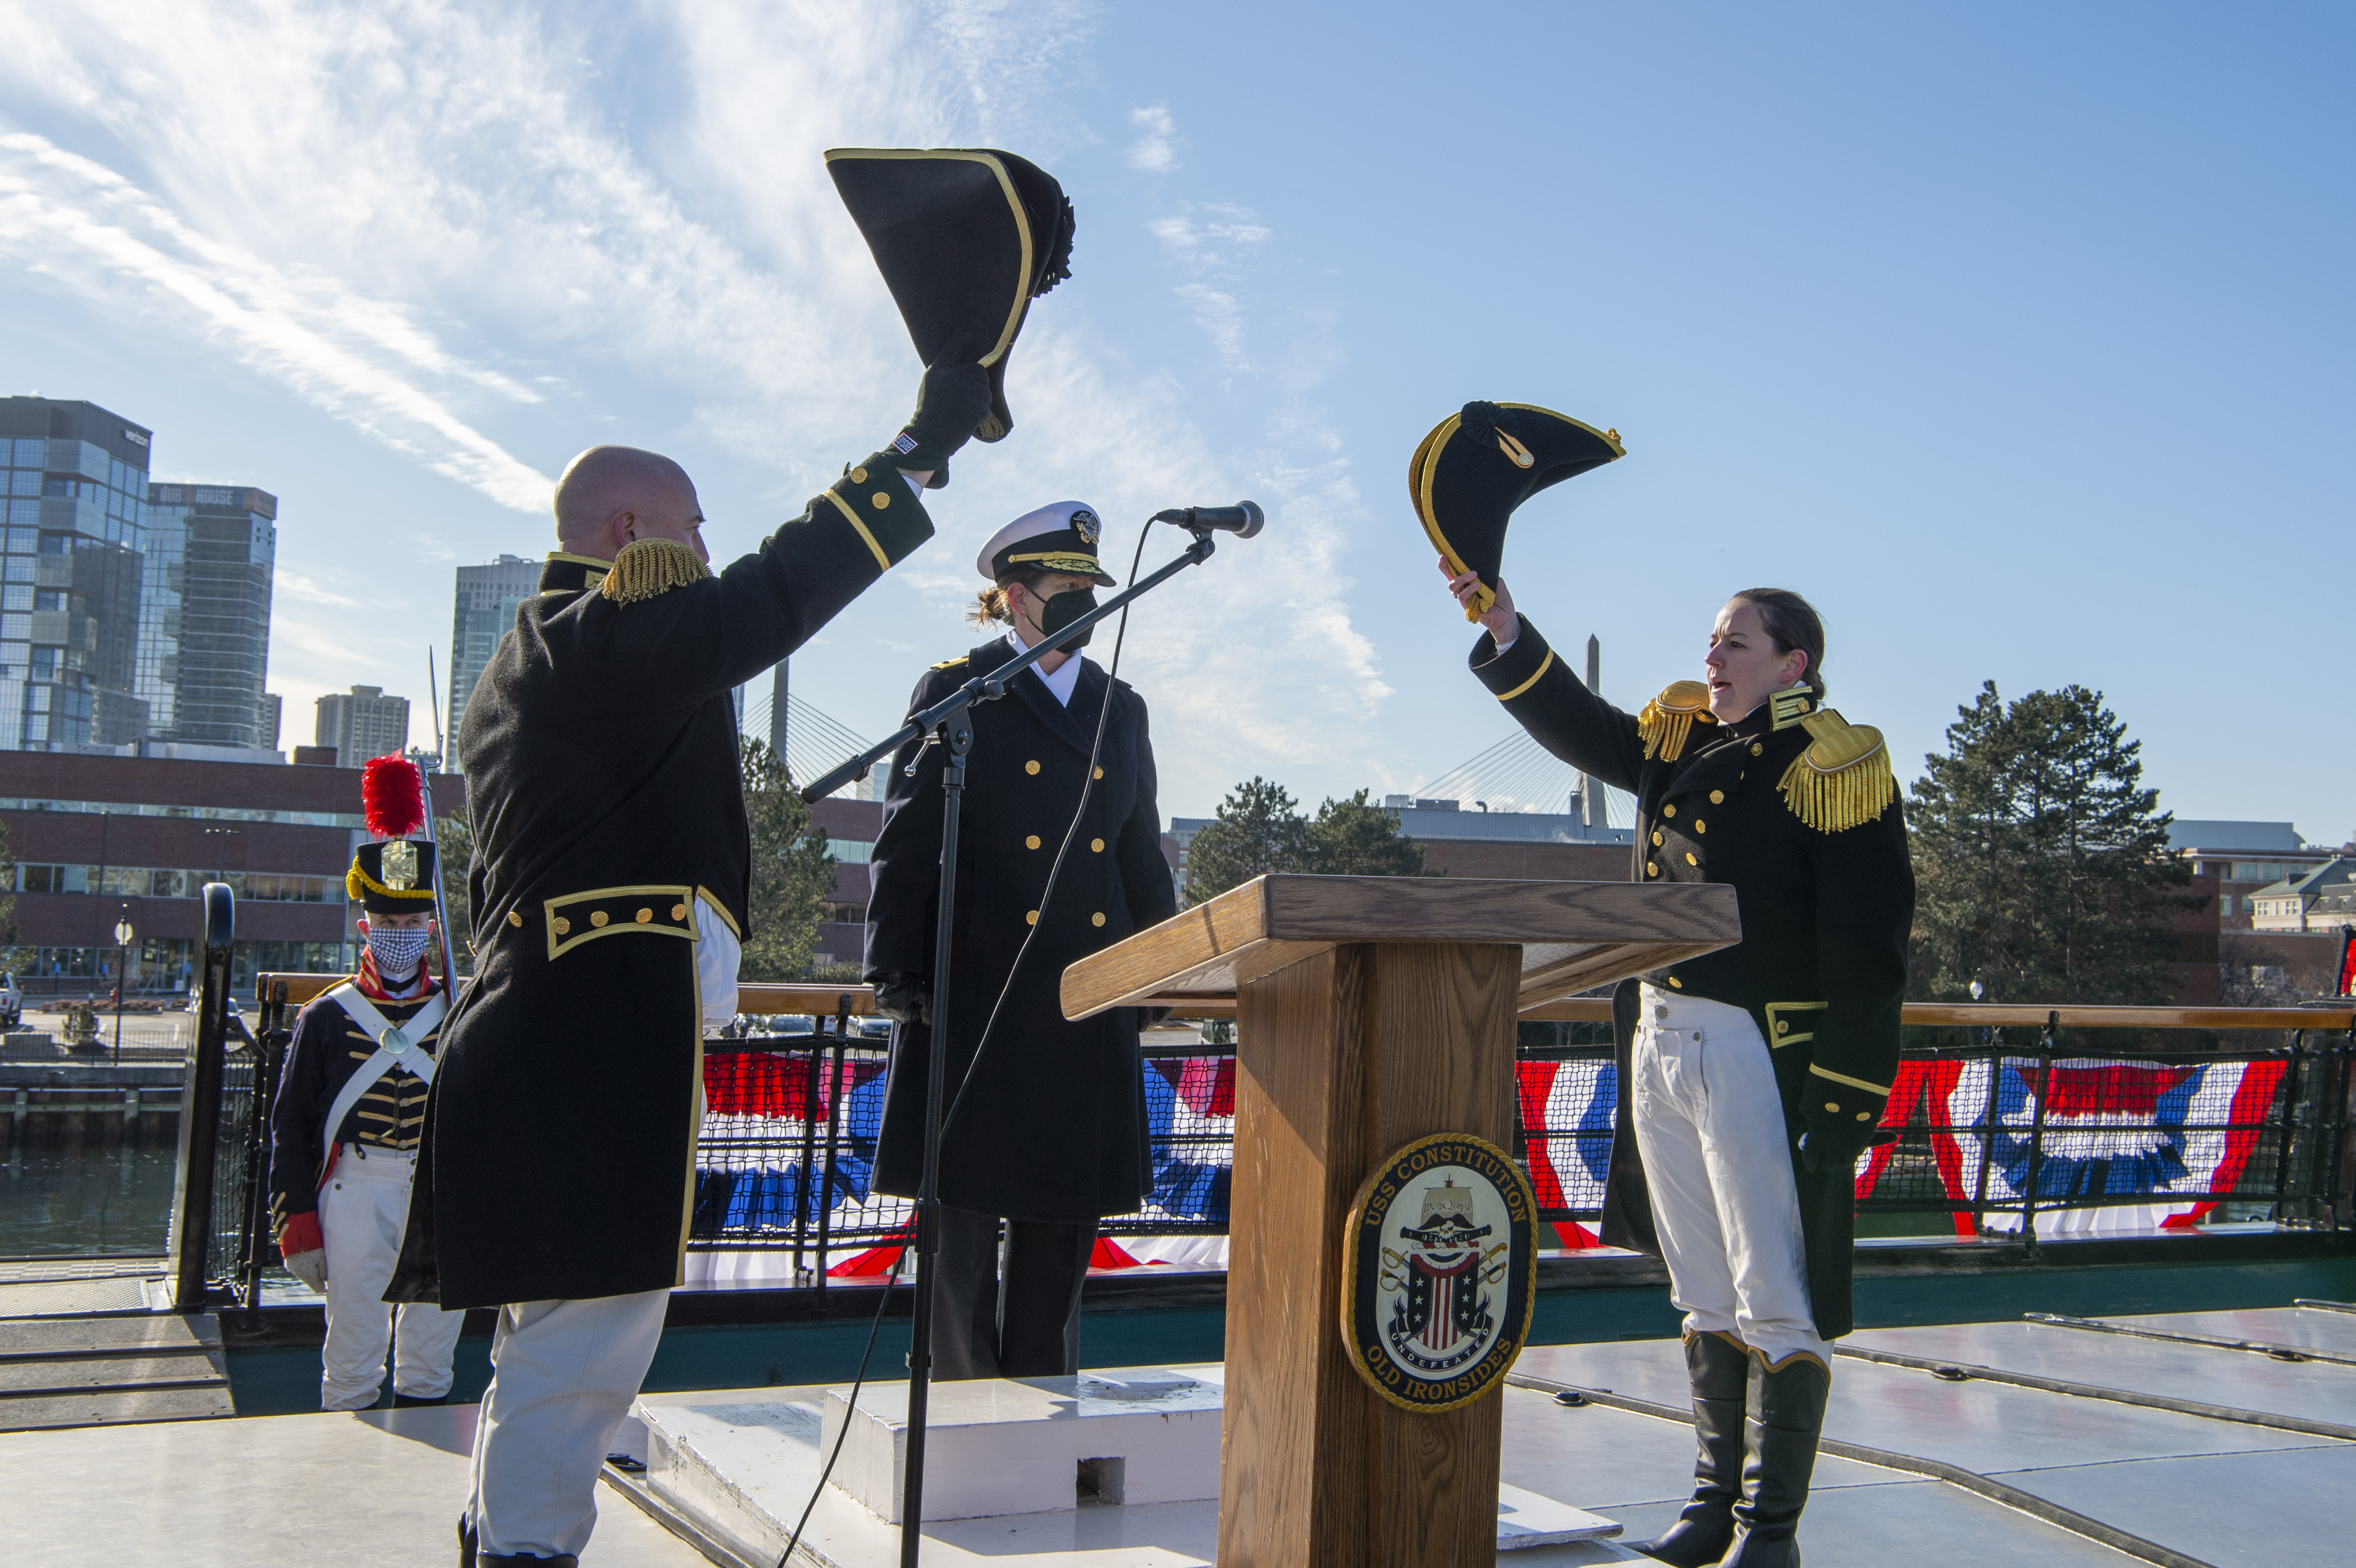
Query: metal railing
column 2011, row 1125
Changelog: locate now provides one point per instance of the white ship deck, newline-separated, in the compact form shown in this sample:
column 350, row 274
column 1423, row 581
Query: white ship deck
column 2057, row 1445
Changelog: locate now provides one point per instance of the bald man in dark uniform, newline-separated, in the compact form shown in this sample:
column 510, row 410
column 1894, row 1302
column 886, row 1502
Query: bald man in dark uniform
column 609, row 885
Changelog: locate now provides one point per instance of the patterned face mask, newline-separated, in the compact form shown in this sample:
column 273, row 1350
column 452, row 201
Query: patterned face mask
column 397, row 953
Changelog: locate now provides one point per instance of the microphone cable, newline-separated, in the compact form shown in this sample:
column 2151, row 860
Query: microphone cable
column 937, row 1033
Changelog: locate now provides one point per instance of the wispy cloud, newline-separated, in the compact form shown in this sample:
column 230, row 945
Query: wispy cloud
column 93, row 231
column 1218, row 314
column 1155, row 151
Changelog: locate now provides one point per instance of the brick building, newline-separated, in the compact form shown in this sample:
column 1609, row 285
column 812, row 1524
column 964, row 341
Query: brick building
column 99, row 838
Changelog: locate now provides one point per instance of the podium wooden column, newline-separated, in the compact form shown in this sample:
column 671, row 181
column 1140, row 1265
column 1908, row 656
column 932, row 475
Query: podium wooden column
column 1370, row 1011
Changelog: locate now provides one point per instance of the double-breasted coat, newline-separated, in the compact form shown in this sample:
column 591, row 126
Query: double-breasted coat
column 1795, row 808
column 1052, row 1126
column 603, row 779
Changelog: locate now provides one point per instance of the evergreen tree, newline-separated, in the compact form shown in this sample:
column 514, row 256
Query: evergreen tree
column 1353, row 839
column 453, row 852
column 1259, row 830
column 793, row 871
column 2041, row 861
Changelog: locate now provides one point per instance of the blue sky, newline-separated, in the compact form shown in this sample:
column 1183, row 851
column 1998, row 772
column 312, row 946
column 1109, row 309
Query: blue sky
column 2015, row 337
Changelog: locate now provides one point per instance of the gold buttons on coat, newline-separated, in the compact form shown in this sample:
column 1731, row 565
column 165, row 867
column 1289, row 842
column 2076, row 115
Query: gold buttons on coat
column 859, row 476
column 1690, row 860
column 678, row 911
column 1757, row 750
column 1033, row 918
column 1699, row 826
column 1865, row 1116
column 1669, row 810
column 882, row 498
column 1783, row 1026
column 1031, row 767
column 599, row 917
column 1832, row 1104
column 562, row 925
column 646, row 917
column 1718, row 797
column 515, row 917
column 1651, row 869
column 1095, row 846
column 1099, row 772
column 1032, row 842
column 1657, row 837
column 1675, row 984
column 1097, row 919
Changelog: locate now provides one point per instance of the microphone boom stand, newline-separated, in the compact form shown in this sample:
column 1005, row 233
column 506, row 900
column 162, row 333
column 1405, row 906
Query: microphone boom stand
column 948, row 723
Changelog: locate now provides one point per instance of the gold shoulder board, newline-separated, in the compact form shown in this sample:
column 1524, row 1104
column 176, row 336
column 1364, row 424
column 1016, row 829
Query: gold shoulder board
column 1843, row 778
column 1669, row 717
column 951, row 664
column 647, row 568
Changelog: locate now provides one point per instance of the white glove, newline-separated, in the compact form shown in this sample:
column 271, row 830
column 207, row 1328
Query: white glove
column 311, row 1268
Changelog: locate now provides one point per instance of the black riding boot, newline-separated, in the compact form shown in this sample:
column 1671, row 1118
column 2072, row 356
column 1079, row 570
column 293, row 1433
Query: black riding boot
column 466, row 1540
column 1720, row 1371
column 409, row 1400
column 1783, row 1454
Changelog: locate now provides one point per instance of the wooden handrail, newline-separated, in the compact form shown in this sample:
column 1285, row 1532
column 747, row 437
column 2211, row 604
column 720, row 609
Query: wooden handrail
column 762, row 997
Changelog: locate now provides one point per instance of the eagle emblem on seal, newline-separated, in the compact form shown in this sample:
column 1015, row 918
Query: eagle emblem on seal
column 1085, row 524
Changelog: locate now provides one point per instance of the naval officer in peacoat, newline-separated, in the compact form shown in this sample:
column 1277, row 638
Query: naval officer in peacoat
column 1755, row 1076
column 609, row 885
column 1049, row 1134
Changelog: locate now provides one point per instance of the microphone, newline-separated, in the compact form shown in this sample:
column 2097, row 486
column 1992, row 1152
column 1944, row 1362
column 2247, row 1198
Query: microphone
column 1242, row 519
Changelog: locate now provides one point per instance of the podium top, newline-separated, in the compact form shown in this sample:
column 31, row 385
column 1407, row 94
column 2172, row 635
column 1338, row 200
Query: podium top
column 1573, row 935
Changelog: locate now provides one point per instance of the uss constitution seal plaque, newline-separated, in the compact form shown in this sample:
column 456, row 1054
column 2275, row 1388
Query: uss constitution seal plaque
column 1439, row 1272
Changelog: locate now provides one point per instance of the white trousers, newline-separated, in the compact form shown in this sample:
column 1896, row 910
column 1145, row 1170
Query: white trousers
column 562, row 1376
column 363, row 1210
column 1709, row 1123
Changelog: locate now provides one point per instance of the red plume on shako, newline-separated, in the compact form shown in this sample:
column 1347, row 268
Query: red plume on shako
column 392, row 797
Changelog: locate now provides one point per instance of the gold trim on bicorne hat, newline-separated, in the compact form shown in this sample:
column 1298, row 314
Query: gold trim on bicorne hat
column 1058, row 538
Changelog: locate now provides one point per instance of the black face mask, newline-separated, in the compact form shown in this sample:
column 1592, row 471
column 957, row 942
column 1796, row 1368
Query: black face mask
column 1065, row 608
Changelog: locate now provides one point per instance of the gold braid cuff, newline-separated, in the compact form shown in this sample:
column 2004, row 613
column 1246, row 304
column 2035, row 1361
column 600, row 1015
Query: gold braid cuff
column 1843, row 779
column 647, row 568
column 1669, row 717
column 356, row 882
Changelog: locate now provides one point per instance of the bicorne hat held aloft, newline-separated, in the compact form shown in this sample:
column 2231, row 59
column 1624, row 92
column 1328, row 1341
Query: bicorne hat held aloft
column 966, row 239
column 1478, row 464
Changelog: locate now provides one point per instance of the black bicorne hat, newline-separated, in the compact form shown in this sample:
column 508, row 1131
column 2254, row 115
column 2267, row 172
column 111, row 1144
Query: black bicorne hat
column 966, row 239
column 395, row 877
column 1477, row 465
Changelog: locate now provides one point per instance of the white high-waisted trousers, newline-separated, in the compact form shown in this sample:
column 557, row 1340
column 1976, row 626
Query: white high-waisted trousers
column 1709, row 1123
column 363, row 1210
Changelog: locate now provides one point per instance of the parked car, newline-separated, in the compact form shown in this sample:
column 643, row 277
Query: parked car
column 12, row 1002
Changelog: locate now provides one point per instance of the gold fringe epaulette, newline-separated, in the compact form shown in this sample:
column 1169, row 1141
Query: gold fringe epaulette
column 1843, row 778
column 1669, row 717
column 649, row 569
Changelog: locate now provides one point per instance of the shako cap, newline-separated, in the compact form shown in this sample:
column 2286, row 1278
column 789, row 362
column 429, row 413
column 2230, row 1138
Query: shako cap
column 1060, row 537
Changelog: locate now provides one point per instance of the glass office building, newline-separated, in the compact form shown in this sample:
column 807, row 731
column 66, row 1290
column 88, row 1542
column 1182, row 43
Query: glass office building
column 203, row 636
column 70, row 572
column 484, row 610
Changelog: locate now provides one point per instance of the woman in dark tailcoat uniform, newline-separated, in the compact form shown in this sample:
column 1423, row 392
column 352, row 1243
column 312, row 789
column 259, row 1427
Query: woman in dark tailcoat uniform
column 1753, row 1078
column 1050, row 1132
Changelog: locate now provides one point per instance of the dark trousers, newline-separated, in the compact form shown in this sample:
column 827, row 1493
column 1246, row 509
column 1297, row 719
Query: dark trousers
column 1011, row 1309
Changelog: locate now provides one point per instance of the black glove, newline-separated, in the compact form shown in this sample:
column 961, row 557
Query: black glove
column 903, row 998
column 950, row 404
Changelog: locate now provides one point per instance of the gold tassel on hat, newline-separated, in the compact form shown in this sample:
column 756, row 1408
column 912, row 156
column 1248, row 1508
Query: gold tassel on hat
column 1669, row 717
column 647, row 568
column 1843, row 778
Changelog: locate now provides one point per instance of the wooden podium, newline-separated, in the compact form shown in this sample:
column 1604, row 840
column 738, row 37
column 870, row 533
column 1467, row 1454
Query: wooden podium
column 1370, row 1011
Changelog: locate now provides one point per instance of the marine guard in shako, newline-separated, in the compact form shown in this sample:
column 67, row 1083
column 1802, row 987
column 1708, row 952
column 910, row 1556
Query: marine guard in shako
column 1753, row 1078
column 1047, row 1133
column 612, row 872
column 351, row 1109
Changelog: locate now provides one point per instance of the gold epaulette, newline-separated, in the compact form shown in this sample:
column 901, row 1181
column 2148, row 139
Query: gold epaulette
column 647, row 568
column 952, row 664
column 1669, row 717
column 1843, row 778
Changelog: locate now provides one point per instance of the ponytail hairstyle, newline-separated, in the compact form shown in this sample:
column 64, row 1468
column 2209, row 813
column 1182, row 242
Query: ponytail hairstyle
column 990, row 604
column 1792, row 622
